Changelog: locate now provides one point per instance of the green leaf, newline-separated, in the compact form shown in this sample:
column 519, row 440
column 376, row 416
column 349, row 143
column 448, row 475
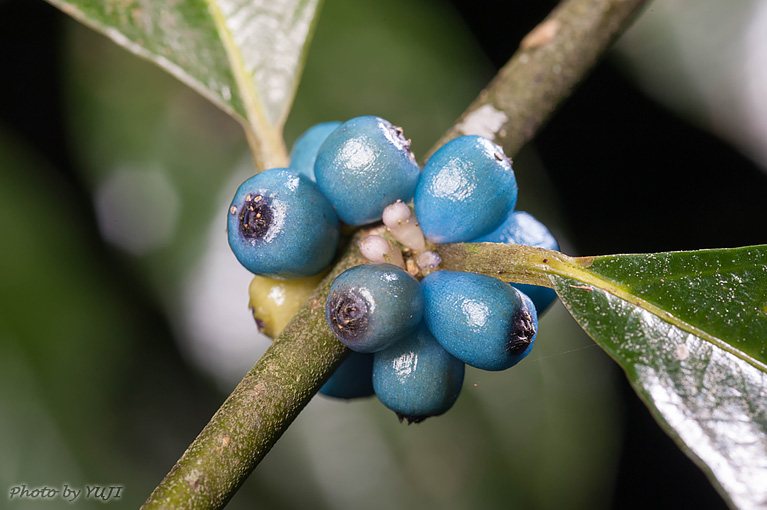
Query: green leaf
column 688, row 328
column 243, row 55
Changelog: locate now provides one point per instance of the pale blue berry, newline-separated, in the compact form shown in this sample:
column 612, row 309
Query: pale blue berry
column 352, row 379
column 363, row 166
column 280, row 226
column 416, row 378
column 304, row 151
column 466, row 190
column 370, row 306
column 480, row 320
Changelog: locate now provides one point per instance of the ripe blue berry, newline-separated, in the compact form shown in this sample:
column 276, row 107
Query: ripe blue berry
column 466, row 190
column 523, row 228
column 371, row 305
column 416, row 378
column 363, row 166
column 480, row 320
column 352, row 379
column 305, row 148
column 280, row 225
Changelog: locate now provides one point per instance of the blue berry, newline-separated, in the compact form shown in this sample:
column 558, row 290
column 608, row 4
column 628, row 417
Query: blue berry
column 523, row 228
column 280, row 225
column 480, row 320
column 466, row 190
column 371, row 305
column 363, row 166
column 305, row 148
column 352, row 379
column 416, row 378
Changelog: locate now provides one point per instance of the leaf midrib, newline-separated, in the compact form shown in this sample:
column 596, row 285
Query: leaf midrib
column 256, row 121
column 567, row 267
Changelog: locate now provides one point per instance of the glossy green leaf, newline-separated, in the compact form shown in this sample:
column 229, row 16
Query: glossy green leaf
column 690, row 331
column 243, row 55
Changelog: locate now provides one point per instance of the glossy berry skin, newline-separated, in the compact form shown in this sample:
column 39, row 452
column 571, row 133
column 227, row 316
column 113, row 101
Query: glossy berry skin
column 352, row 379
column 416, row 378
column 371, row 305
column 280, row 226
column 304, row 151
column 466, row 190
column 523, row 228
column 480, row 320
column 363, row 166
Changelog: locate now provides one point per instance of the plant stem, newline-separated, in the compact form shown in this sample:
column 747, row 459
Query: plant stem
column 260, row 408
column 510, row 110
column 551, row 61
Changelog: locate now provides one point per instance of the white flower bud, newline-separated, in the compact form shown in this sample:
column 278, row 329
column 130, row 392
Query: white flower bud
column 403, row 226
column 428, row 260
column 377, row 249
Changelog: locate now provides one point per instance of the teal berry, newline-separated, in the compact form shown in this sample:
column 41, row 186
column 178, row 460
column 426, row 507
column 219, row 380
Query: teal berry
column 363, row 166
column 352, row 379
column 371, row 305
column 306, row 146
column 466, row 190
column 280, row 226
column 416, row 378
column 523, row 228
column 480, row 320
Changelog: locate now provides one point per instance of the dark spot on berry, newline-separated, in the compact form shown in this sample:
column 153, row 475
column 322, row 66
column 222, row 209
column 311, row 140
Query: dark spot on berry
column 348, row 315
column 545, row 261
column 255, row 217
column 410, row 419
column 522, row 332
column 260, row 325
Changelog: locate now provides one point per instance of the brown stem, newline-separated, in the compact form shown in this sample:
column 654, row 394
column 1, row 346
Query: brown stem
column 552, row 59
column 260, row 408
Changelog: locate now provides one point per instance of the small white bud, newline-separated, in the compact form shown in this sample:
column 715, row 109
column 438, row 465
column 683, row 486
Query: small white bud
column 428, row 260
column 403, row 226
column 377, row 249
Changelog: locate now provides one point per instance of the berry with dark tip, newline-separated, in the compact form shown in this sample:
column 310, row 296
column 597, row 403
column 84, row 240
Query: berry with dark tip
column 280, row 226
column 480, row 320
column 416, row 378
column 466, row 190
column 523, row 228
column 371, row 305
column 363, row 166
column 352, row 379
column 304, row 151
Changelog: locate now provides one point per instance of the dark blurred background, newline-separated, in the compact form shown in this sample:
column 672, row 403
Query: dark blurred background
column 123, row 322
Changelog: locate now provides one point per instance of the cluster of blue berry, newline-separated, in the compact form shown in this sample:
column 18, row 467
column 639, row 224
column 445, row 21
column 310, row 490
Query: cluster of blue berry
column 410, row 339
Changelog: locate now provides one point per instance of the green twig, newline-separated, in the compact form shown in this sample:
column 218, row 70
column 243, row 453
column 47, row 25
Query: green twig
column 510, row 110
column 260, row 408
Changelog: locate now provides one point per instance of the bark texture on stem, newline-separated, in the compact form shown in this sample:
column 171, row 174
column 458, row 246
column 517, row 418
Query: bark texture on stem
column 260, row 408
column 552, row 59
